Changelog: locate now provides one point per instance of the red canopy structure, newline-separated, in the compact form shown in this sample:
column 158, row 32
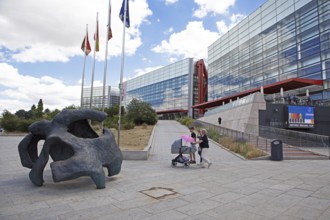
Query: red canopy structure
column 288, row 84
column 172, row 111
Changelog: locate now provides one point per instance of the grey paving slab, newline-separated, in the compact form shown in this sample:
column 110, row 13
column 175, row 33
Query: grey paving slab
column 231, row 189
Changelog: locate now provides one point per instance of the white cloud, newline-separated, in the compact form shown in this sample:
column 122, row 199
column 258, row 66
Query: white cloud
column 38, row 30
column 212, row 6
column 234, row 20
column 22, row 91
column 173, row 59
column 170, row 30
column 170, row 2
column 41, row 52
column 191, row 42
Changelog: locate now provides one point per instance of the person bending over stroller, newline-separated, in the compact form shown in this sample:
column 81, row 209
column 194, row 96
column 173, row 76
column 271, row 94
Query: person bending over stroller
column 204, row 144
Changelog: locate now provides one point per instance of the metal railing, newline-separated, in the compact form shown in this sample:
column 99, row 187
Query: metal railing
column 295, row 144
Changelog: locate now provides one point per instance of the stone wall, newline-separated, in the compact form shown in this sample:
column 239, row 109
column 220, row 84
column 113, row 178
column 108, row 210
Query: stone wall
column 241, row 115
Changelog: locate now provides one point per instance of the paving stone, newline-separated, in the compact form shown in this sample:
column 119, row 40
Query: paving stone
column 229, row 211
column 254, row 199
column 203, row 216
column 129, row 214
column 134, row 203
column 227, row 197
column 195, row 208
column 299, row 192
column 325, row 215
column 316, row 203
column 303, row 212
column 164, row 205
column 90, row 213
column 231, row 189
column 171, row 214
column 197, row 196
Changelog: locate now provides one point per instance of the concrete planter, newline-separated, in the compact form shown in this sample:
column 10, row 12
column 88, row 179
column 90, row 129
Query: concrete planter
column 140, row 154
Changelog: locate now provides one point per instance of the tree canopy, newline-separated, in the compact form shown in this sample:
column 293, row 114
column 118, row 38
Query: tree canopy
column 141, row 112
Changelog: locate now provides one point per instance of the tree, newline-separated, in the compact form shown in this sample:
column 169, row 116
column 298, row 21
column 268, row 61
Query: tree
column 9, row 121
column 33, row 110
column 112, row 111
column 21, row 113
column 52, row 114
column 71, row 107
column 141, row 112
column 40, row 109
column 47, row 111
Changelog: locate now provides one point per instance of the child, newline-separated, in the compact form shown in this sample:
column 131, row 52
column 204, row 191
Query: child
column 193, row 146
column 199, row 148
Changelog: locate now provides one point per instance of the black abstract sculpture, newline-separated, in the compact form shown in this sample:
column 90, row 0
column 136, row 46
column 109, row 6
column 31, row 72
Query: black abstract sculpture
column 73, row 145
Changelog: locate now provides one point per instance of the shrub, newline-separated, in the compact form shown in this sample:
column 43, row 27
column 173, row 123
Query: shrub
column 144, row 125
column 245, row 149
column 240, row 140
column 186, row 121
column 22, row 125
column 111, row 122
column 213, row 134
column 128, row 125
column 10, row 124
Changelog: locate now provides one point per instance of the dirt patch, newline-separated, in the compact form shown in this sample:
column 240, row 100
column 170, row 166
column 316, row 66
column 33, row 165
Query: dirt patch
column 134, row 139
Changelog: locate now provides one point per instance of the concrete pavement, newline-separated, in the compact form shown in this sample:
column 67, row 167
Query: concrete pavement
column 231, row 189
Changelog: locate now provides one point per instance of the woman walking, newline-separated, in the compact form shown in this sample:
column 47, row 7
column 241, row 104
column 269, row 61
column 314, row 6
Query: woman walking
column 204, row 144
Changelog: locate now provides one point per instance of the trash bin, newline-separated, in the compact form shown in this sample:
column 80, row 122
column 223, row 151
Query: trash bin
column 276, row 150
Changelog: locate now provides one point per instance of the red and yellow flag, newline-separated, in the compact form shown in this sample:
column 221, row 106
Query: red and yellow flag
column 109, row 24
column 85, row 46
column 110, row 33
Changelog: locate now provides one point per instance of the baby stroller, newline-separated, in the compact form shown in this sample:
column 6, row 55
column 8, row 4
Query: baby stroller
column 178, row 148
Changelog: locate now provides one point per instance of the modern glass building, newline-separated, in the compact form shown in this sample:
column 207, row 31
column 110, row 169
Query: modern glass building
column 165, row 89
column 111, row 97
column 170, row 90
column 283, row 39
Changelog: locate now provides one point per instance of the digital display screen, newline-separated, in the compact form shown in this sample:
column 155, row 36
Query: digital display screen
column 300, row 116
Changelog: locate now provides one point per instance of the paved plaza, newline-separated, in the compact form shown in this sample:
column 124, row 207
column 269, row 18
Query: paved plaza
column 231, row 188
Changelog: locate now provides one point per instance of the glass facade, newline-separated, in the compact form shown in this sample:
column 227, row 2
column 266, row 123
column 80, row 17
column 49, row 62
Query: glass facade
column 282, row 39
column 111, row 97
column 166, row 88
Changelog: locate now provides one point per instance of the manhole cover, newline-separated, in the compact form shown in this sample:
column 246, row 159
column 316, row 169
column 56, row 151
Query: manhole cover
column 158, row 192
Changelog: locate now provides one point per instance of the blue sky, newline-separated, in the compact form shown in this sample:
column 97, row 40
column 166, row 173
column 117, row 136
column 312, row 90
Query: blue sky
column 40, row 55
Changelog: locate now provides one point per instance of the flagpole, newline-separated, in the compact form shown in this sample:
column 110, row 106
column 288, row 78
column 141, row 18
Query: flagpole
column 122, row 70
column 83, row 72
column 93, row 68
column 106, row 55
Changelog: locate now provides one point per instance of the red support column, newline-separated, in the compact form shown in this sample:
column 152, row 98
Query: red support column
column 202, row 78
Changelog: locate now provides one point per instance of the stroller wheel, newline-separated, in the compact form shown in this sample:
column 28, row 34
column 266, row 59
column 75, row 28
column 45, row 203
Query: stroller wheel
column 174, row 163
column 186, row 164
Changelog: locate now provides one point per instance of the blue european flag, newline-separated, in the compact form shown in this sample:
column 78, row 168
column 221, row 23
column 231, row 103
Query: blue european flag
column 121, row 14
